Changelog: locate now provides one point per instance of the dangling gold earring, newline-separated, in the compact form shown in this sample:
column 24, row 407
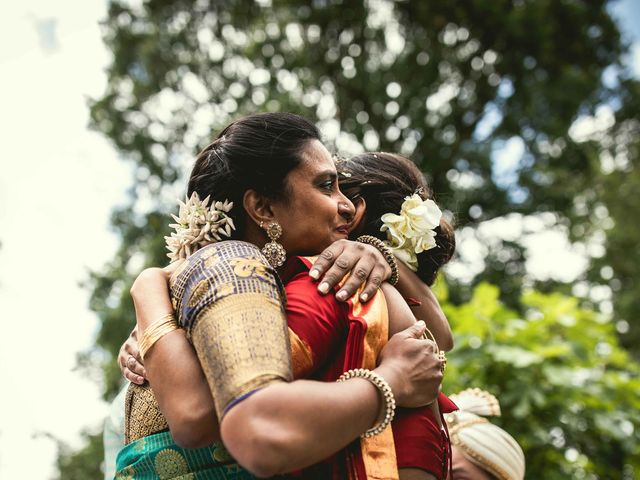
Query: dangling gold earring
column 274, row 251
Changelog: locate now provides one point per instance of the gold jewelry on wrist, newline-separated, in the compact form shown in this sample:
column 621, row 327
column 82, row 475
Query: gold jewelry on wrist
column 156, row 331
column 428, row 335
column 386, row 253
column 389, row 401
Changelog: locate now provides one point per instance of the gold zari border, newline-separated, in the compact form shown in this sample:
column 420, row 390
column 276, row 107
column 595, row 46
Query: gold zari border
column 242, row 342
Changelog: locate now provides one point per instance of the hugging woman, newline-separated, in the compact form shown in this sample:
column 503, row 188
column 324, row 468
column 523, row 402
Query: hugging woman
column 229, row 302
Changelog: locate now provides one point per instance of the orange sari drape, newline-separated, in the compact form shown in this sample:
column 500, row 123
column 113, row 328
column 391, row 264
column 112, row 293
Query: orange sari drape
column 327, row 339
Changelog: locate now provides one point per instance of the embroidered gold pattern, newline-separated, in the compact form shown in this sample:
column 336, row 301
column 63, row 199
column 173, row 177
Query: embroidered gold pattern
column 127, row 473
column 199, row 292
column 243, row 344
column 171, row 464
column 210, row 259
column 247, row 267
column 221, row 454
column 142, row 414
column 224, row 289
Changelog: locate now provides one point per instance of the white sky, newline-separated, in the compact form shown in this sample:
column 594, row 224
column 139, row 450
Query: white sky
column 58, row 185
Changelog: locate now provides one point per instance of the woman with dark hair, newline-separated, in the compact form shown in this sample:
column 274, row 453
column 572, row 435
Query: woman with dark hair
column 378, row 184
column 270, row 178
column 393, row 203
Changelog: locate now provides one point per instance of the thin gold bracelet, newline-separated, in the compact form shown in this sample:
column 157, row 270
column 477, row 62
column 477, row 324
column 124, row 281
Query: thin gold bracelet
column 428, row 335
column 156, row 331
column 386, row 253
column 389, row 401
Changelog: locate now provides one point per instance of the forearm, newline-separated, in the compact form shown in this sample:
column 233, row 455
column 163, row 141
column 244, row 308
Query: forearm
column 173, row 370
column 429, row 310
column 288, row 426
column 181, row 390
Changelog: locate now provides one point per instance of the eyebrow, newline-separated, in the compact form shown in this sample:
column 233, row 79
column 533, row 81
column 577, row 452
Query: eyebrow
column 332, row 174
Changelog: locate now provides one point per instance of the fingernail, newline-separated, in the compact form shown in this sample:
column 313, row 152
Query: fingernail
column 421, row 324
column 315, row 274
column 364, row 297
column 341, row 295
column 324, row 287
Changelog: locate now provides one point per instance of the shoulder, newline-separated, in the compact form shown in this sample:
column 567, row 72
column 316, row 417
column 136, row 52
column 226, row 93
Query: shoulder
column 302, row 292
column 220, row 270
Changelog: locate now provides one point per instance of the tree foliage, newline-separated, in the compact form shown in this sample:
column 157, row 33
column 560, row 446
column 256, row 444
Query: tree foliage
column 568, row 391
column 82, row 464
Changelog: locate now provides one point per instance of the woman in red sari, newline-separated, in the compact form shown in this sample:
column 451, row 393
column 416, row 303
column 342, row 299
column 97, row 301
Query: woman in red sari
column 393, row 202
column 310, row 183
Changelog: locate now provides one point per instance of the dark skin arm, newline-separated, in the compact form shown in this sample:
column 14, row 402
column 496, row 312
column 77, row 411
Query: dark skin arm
column 365, row 262
column 260, row 432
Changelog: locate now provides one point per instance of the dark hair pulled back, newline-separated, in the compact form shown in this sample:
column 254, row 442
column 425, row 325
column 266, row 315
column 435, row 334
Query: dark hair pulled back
column 383, row 180
column 256, row 152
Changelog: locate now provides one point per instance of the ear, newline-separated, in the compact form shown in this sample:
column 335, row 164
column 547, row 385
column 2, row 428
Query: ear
column 360, row 205
column 258, row 207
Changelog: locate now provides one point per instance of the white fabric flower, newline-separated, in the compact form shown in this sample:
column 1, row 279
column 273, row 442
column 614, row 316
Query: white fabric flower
column 198, row 225
column 413, row 230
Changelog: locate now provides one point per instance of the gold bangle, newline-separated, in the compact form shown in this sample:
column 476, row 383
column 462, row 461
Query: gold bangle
column 156, row 331
column 428, row 335
column 386, row 253
column 389, row 401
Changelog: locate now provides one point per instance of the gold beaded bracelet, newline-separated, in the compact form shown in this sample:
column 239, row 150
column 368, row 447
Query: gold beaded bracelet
column 386, row 253
column 156, row 331
column 389, row 405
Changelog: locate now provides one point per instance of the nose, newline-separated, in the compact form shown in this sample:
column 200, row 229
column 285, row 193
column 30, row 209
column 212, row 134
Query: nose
column 346, row 208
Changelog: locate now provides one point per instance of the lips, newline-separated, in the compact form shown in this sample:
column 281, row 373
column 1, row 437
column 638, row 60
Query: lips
column 344, row 229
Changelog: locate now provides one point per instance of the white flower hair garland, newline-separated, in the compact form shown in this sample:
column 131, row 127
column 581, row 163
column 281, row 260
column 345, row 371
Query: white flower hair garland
column 198, row 225
column 413, row 230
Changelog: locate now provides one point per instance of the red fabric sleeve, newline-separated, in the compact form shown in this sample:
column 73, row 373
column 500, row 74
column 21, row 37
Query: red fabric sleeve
column 420, row 441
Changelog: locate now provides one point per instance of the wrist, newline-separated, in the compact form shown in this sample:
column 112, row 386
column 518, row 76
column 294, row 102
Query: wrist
column 386, row 253
column 385, row 392
column 395, row 380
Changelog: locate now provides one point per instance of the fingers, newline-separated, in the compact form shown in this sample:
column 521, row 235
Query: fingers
column 416, row 330
column 132, row 376
column 364, row 263
column 324, row 262
column 130, row 360
column 131, row 369
column 373, row 283
column 134, row 364
column 360, row 273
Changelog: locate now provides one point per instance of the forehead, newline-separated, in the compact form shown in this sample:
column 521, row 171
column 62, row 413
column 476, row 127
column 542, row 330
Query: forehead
column 315, row 159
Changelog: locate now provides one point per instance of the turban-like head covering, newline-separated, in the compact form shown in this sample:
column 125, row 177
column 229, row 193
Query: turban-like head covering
column 483, row 443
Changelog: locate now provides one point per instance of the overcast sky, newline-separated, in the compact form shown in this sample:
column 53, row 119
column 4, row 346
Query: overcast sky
column 58, row 184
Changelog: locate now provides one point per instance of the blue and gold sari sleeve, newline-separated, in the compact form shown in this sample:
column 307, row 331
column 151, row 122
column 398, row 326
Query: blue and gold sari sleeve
column 230, row 302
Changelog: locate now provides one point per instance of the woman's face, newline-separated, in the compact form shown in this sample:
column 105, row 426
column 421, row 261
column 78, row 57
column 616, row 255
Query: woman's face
column 463, row 469
column 314, row 212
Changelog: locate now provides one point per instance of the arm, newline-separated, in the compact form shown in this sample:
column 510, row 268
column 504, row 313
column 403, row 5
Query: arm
column 429, row 310
column 288, row 426
column 172, row 366
column 298, row 411
column 368, row 266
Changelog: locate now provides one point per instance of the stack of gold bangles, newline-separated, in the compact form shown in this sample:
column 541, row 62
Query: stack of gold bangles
column 389, row 405
column 156, row 331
